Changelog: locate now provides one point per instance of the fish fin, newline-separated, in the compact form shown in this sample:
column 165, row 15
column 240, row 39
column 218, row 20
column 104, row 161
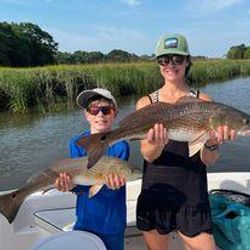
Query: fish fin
column 10, row 204
column 94, row 190
column 185, row 99
column 95, row 146
column 197, row 144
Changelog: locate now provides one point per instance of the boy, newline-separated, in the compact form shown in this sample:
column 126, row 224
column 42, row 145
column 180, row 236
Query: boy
column 105, row 213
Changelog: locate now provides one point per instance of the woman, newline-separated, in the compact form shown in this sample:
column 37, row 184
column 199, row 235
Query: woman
column 174, row 194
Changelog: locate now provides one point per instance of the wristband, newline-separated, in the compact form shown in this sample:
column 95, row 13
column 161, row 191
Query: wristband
column 211, row 148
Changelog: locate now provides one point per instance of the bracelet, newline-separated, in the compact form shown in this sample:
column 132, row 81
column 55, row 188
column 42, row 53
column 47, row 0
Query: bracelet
column 211, row 148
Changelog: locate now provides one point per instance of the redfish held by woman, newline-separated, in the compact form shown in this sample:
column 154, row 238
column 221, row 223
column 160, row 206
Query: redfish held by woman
column 189, row 119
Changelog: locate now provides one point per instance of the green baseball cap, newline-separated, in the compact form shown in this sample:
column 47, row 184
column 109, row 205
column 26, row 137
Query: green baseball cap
column 172, row 44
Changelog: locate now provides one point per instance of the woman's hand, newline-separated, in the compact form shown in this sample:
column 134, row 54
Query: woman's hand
column 209, row 153
column 156, row 139
column 114, row 181
column 222, row 133
column 157, row 135
column 64, row 183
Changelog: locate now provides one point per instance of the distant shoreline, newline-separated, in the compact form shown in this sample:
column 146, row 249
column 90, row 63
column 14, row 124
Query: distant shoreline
column 51, row 88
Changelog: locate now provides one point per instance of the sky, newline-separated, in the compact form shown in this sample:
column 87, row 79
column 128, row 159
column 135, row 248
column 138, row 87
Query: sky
column 210, row 26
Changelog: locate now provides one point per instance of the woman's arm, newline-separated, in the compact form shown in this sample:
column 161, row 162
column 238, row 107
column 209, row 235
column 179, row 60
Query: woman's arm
column 209, row 153
column 152, row 147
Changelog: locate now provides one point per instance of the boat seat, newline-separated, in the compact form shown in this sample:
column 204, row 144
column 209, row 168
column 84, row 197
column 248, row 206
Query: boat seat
column 77, row 240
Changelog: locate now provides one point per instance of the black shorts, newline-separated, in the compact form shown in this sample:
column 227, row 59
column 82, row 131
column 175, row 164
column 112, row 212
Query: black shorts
column 156, row 212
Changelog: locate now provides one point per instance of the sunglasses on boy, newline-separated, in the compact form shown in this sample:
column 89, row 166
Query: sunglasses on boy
column 106, row 110
column 175, row 59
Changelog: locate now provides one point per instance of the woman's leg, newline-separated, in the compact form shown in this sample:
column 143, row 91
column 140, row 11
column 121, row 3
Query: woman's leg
column 203, row 241
column 155, row 241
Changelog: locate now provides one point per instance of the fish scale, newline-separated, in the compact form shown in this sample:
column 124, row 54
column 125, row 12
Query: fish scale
column 77, row 169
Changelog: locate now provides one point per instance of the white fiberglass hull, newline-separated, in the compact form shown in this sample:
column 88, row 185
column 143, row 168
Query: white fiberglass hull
column 41, row 216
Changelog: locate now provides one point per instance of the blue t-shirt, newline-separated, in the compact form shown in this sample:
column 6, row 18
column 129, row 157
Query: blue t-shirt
column 104, row 213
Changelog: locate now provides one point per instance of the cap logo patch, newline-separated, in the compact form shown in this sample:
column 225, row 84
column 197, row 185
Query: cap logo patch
column 171, row 43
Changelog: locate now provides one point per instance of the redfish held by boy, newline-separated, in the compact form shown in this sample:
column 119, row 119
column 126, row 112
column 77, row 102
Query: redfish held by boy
column 77, row 169
column 189, row 119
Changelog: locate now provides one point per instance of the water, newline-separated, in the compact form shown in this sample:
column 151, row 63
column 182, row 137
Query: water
column 32, row 142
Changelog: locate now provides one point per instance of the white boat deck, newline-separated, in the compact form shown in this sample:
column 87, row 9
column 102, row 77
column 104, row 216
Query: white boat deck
column 41, row 216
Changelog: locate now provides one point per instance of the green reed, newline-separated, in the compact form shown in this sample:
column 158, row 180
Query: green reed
column 204, row 72
column 52, row 87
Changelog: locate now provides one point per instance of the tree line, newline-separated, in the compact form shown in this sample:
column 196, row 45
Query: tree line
column 84, row 57
column 26, row 44
column 239, row 52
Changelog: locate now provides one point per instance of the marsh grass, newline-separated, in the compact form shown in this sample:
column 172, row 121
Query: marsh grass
column 52, row 87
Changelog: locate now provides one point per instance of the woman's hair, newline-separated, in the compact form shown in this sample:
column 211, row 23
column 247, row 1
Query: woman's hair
column 187, row 72
column 189, row 66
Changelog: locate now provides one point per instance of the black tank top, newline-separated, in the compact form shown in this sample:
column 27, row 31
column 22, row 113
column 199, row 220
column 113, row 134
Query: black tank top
column 174, row 174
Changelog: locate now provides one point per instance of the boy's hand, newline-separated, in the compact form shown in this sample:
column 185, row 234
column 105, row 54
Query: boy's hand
column 64, row 183
column 113, row 181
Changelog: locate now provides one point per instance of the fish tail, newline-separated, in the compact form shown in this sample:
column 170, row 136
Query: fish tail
column 10, row 204
column 95, row 146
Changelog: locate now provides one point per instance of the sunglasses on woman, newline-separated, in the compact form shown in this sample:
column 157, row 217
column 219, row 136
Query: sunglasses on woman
column 175, row 59
column 106, row 110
